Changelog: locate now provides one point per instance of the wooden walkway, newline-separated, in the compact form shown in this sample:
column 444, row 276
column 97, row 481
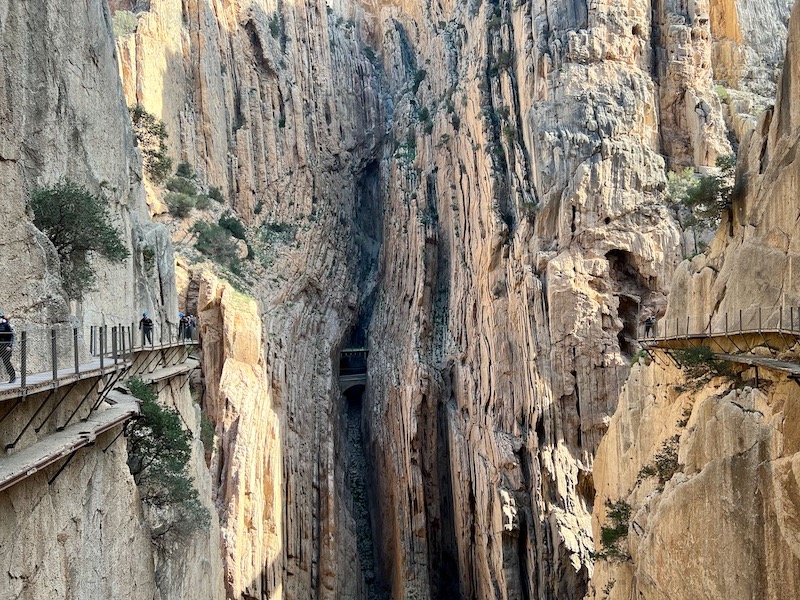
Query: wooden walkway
column 121, row 407
column 792, row 369
column 39, row 382
column 169, row 372
column 64, row 444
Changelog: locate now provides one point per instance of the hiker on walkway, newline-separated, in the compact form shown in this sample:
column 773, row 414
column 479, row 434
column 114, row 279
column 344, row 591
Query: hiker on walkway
column 648, row 325
column 192, row 324
column 6, row 345
column 146, row 326
column 183, row 327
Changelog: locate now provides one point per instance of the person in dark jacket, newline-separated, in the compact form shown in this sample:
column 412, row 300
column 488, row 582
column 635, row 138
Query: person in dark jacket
column 6, row 347
column 648, row 325
column 146, row 325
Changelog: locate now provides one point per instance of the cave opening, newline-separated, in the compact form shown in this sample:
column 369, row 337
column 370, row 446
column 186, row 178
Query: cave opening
column 632, row 291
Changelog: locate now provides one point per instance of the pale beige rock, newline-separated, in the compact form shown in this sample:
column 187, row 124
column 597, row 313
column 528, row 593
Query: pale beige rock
column 62, row 114
column 523, row 236
column 725, row 525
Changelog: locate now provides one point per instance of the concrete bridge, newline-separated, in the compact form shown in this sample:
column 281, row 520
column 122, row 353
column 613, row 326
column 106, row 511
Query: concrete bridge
column 352, row 368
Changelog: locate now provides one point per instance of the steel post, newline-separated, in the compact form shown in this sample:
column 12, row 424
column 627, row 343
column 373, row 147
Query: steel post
column 114, row 344
column 23, row 367
column 75, row 350
column 53, row 355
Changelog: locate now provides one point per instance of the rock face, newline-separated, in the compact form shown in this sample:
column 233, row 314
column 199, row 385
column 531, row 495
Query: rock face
column 63, row 115
column 506, row 158
column 737, row 448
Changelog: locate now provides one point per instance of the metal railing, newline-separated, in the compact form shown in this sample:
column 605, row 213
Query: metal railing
column 744, row 321
column 46, row 354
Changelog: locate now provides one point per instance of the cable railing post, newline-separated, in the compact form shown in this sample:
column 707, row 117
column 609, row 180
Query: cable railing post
column 687, row 327
column 780, row 318
column 53, row 355
column 740, row 321
column 91, row 340
column 726, row 324
column 102, row 349
column 122, row 341
column 759, row 319
column 791, row 318
column 23, row 367
column 75, row 350
column 114, row 344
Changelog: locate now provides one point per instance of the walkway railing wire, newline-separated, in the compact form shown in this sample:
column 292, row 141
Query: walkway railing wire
column 753, row 320
column 52, row 353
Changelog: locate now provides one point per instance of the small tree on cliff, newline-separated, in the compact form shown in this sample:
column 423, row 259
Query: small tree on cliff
column 79, row 224
column 700, row 200
column 158, row 456
column 151, row 135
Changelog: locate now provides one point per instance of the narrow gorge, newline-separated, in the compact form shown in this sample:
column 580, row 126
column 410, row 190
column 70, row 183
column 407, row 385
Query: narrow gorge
column 421, row 242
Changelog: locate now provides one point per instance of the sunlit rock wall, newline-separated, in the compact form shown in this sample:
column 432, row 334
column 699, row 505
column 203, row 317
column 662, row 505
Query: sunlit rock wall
column 725, row 525
column 512, row 155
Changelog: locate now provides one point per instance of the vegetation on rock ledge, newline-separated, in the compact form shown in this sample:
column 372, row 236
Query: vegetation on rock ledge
column 158, row 455
column 78, row 223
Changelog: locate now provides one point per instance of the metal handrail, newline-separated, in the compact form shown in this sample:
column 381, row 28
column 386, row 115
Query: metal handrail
column 40, row 355
column 744, row 321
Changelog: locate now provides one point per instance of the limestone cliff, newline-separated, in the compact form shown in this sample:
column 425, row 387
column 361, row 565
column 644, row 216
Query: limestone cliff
column 735, row 442
column 508, row 160
column 76, row 529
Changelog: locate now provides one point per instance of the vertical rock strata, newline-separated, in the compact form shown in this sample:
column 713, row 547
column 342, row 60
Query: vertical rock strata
column 277, row 104
column 80, row 534
column 507, row 156
column 724, row 525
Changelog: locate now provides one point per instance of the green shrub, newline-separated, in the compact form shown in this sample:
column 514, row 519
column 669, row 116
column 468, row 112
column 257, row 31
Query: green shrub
column 215, row 194
column 700, row 362
column 79, row 224
column 182, row 186
column 202, row 202
column 419, row 77
column 275, row 25
column 279, row 232
column 148, row 258
column 185, row 170
column 206, row 432
column 665, row 462
column 151, row 134
column 234, row 225
column 180, row 205
column 124, row 23
column 216, row 242
column 158, row 456
column 615, row 532
column 699, row 200
column 259, row 207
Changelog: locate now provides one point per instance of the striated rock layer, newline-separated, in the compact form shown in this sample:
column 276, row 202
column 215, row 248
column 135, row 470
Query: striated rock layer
column 737, row 448
column 507, row 159
column 83, row 533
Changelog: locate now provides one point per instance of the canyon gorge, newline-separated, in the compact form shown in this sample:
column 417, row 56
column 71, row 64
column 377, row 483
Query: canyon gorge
column 443, row 225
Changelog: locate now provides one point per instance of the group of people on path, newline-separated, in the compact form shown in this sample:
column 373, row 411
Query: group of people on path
column 186, row 327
